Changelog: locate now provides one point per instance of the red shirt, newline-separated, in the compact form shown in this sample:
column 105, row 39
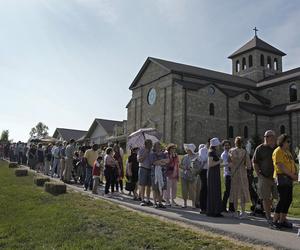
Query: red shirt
column 96, row 168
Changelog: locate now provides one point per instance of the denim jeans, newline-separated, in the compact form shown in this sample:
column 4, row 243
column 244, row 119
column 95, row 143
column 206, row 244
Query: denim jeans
column 88, row 177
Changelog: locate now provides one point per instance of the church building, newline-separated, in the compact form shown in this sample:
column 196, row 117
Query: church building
column 188, row 104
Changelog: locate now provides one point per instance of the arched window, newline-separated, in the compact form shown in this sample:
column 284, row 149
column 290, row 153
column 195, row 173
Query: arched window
column 237, row 66
column 246, row 132
column 269, row 63
column 211, row 109
column 230, row 132
column 250, row 61
column 282, row 129
column 244, row 66
column 275, row 64
column 293, row 93
column 262, row 60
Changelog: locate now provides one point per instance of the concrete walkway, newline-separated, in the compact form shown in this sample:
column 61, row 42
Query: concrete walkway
column 253, row 229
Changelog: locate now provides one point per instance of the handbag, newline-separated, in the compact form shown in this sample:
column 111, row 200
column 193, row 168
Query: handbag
column 284, row 180
column 129, row 186
column 197, row 166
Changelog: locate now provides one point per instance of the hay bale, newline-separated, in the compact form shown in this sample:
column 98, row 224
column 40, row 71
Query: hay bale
column 13, row 165
column 55, row 188
column 40, row 181
column 21, row 172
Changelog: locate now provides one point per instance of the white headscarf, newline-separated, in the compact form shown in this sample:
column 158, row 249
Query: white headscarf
column 190, row 146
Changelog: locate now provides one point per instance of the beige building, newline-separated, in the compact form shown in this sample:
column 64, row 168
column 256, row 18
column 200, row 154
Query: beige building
column 190, row 104
column 102, row 129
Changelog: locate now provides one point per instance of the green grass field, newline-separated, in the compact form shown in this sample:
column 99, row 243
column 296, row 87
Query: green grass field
column 33, row 219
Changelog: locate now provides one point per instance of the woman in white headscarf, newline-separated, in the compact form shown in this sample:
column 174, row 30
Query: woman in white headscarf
column 187, row 176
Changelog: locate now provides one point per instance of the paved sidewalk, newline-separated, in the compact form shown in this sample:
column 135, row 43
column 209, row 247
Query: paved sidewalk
column 253, row 229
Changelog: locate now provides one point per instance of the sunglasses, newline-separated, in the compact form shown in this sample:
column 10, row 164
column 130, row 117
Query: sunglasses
column 269, row 136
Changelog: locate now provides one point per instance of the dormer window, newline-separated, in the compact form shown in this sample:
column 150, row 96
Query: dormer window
column 269, row 64
column 275, row 64
column 244, row 63
column 237, row 66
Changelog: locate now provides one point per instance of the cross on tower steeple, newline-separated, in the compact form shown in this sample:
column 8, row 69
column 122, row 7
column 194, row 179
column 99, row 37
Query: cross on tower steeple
column 255, row 31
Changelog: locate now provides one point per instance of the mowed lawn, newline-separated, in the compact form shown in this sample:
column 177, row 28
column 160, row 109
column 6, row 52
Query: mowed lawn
column 33, row 219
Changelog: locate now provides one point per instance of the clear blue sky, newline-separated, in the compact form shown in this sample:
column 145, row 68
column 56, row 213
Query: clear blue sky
column 66, row 62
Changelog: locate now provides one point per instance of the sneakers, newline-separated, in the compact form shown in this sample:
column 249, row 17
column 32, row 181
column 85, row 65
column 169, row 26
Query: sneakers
column 168, row 204
column 160, row 205
column 149, row 203
column 143, row 203
column 286, row 224
column 243, row 215
column 275, row 226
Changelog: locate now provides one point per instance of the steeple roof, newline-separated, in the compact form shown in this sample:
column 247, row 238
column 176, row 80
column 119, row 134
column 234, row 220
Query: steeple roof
column 256, row 43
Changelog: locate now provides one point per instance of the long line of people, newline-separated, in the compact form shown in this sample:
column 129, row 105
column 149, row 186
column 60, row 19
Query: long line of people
column 159, row 169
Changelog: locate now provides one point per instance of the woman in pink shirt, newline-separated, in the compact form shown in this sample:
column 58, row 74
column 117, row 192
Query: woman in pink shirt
column 172, row 175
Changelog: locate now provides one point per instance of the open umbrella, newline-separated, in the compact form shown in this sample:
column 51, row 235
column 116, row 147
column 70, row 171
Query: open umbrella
column 137, row 138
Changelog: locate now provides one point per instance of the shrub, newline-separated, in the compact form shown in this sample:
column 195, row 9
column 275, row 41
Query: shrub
column 13, row 165
column 40, row 181
column 21, row 172
column 55, row 188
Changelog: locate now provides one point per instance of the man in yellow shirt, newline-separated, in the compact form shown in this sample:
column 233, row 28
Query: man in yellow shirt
column 285, row 172
column 90, row 157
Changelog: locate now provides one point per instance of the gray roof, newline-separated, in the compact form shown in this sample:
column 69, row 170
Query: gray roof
column 205, row 74
column 281, row 77
column 264, row 110
column 256, row 43
column 68, row 134
column 109, row 125
column 226, row 91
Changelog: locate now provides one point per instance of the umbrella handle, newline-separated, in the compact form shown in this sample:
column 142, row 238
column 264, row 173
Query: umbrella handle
column 143, row 133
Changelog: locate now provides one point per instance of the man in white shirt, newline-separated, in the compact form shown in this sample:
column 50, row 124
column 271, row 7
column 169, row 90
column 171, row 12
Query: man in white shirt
column 227, row 175
column 56, row 159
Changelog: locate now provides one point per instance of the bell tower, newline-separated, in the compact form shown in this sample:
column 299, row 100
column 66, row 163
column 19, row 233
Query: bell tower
column 256, row 60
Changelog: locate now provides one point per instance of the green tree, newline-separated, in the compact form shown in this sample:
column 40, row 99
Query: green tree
column 39, row 130
column 4, row 136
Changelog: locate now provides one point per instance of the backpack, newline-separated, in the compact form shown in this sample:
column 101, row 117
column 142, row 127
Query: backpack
column 197, row 166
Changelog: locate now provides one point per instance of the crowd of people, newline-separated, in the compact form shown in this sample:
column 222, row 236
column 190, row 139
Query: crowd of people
column 159, row 169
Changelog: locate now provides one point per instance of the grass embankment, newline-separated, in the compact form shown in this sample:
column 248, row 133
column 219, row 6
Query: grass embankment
column 33, row 219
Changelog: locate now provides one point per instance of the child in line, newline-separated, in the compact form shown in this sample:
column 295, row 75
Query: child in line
column 97, row 168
